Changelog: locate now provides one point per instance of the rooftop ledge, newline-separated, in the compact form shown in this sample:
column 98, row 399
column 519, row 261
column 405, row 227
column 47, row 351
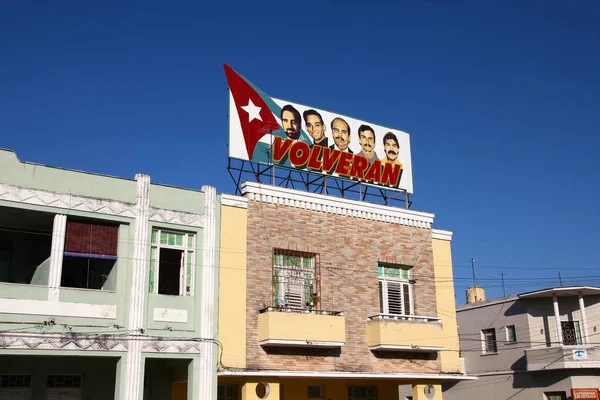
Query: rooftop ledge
column 336, row 205
column 413, row 318
column 299, row 311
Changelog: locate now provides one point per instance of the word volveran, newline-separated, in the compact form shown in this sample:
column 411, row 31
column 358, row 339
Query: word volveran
column 319, row 158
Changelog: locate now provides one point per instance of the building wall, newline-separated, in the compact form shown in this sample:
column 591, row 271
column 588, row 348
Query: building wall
column 232, row 284
column 444, row 290
column 497, row 315
column 350, row 249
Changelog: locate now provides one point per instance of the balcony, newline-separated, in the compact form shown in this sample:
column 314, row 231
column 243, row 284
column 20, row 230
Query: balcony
column 404, row 333
column 301, row 328
column 562, row 357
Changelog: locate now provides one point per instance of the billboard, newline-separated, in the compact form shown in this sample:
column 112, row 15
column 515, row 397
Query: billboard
column 272, row 131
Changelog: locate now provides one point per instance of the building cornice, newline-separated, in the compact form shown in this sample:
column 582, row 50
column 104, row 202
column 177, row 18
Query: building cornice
column 234, row 201
column 344, row 375
column 441, row 234
column 335, row 205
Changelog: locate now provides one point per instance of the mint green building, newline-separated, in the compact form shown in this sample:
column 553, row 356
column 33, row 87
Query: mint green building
column 108, row 286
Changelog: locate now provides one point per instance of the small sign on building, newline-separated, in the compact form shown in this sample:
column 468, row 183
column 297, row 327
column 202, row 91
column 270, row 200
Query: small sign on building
column 580, row 354
column 587, row 394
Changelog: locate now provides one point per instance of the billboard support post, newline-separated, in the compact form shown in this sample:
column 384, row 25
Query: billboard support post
column 243, row 170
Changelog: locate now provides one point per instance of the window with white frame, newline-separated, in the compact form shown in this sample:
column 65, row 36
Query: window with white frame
column 294, row 280
column 511, row 334
column 488, row 341
column 395, row 289
column 172, row 261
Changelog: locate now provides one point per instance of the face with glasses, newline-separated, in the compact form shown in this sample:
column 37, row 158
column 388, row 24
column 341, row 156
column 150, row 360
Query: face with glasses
column 341, row 133
column 367, row 142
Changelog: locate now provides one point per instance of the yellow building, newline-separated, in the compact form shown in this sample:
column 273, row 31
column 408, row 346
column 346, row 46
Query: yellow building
column 329, row 298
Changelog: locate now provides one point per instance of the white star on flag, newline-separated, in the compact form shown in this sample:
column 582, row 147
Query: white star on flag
column 252, row 110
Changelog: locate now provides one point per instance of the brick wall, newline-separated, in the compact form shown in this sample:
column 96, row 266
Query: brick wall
column 350, row 249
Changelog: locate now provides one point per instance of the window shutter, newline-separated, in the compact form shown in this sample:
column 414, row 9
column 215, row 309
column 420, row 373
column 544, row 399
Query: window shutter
column 294, row 295
column 394, row 295
column 91, row 238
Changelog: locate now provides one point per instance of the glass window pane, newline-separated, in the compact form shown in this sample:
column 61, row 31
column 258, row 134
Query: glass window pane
column 178, row 239
column 171, row 241
column 163, row 237
column 154, row 233
column 392, row 272
column 190, row 244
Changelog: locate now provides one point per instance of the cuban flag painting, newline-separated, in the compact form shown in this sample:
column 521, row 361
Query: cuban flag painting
column 257, row 116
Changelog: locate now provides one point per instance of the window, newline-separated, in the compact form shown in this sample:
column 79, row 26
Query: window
column 172, row 263
column 362, row 393
column 294, row 280
column 571, row 333
column 227, row 392
column 489, row 340
column 315, row 392
column 15, row 381
column 511, row 334
column 90, row 255
column 395, row 290
column 555, row 395
column 25, row 243
column 63, row 381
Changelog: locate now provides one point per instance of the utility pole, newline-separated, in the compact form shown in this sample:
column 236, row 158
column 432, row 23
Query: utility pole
column 474, row 281
column 503, row 289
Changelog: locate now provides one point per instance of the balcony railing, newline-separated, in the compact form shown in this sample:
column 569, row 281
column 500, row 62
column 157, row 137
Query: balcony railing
column 415, row 318
column 562, row 357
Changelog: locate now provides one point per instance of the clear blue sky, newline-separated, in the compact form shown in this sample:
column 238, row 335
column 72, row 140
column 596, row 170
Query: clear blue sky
column 501, row 98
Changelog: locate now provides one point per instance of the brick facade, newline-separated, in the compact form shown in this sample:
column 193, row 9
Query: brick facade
column 350, row 249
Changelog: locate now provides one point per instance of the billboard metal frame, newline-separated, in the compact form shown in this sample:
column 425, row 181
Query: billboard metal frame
column 241, row 171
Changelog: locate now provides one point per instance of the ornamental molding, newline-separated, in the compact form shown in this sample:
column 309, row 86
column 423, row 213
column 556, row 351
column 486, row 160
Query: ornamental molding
column 336, row 205
column 95, row 205
column 95, row 342
column 176, row 217
column 66, row 201
column 171, row 346
column 67, row 341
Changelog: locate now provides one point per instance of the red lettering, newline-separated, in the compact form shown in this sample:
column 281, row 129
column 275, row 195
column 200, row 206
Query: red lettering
column 330, row 158
column 374, row 172
column 281, row 148
column 359, row 166
column 343, row 166
column 299, row 154
column 391, row 174
column 314, row 161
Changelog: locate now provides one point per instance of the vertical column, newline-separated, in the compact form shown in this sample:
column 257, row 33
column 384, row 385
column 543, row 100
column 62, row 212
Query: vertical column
column 193, row 377
column 208, row 315
column 134, row 367
column 59, row 229
column 583, row 319
column 559, row 337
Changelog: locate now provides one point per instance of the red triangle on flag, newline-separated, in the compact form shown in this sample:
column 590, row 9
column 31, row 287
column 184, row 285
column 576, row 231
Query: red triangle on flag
column 256, row 119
